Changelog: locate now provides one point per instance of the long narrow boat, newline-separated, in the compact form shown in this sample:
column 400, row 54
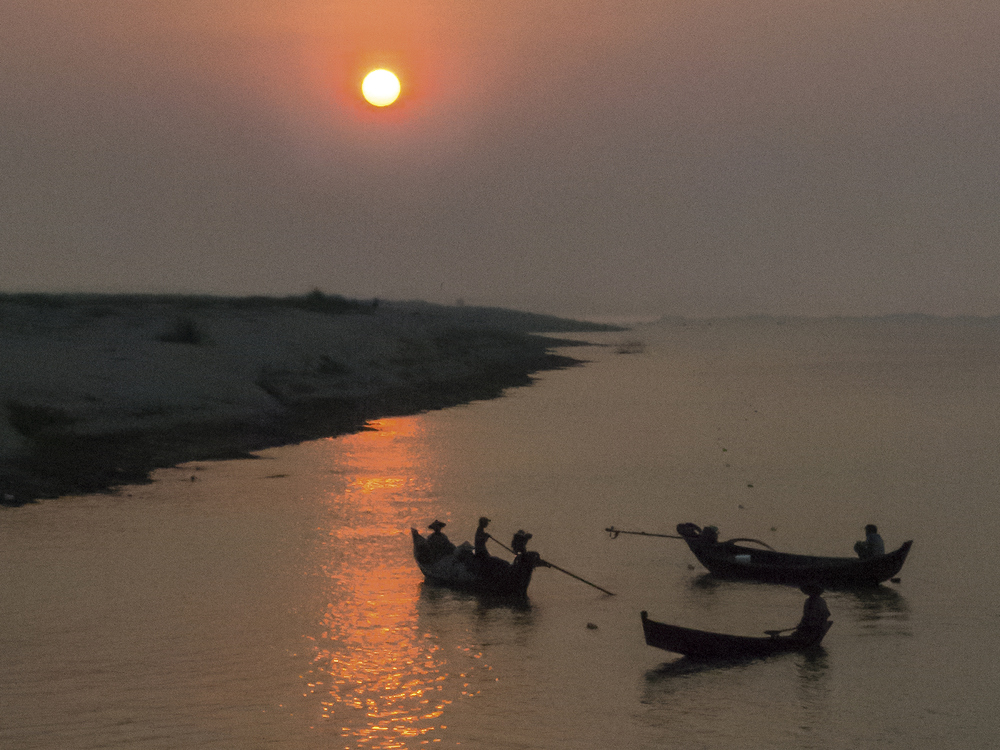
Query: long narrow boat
column 462, row 570
column 739, row 562
column 701, row 644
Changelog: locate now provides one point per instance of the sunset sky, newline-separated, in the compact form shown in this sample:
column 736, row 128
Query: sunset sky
column 578, row 157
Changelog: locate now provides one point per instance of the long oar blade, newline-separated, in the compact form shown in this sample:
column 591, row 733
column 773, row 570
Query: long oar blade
column 574, row 575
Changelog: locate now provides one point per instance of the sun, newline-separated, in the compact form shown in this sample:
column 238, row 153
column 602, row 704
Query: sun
column 380, row 87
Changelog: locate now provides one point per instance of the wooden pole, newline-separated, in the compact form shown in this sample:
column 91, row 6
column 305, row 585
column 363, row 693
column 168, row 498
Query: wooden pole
column 561, row 570
column 574, row 575
column 615, row 532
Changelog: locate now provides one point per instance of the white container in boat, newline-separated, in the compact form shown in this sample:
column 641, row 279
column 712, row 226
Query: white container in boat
column 745, row 559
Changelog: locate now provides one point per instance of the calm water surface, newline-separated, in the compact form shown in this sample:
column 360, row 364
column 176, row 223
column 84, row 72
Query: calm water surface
column 274, row 603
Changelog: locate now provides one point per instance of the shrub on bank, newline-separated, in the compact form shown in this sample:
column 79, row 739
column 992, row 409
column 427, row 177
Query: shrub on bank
column 32, row 420
column 184, row 331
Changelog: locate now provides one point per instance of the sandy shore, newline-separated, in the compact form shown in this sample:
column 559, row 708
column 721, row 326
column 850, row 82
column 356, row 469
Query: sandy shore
column 97, row 391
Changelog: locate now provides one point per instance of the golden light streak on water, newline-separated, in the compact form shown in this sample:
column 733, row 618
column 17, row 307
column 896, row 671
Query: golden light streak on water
column 385, row 680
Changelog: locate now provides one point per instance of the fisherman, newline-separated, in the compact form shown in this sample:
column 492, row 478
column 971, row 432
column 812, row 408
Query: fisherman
column 519, row 544
column 438, row 543
column 872, row 546
column 815, row 613
column 481, row 537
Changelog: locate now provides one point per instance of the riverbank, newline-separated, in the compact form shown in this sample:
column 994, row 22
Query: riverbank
column 97, row 391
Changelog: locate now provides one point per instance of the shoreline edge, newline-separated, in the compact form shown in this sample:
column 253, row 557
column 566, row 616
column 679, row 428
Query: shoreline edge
column 98, row 391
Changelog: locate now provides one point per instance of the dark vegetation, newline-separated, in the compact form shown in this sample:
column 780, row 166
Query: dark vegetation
column 98, row 304
column 184, row 331
column 33, row 420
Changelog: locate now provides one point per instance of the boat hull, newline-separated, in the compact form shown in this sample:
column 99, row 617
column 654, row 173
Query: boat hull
column 701, row 644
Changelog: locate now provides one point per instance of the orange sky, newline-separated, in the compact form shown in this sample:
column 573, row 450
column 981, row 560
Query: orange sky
column 692, row 157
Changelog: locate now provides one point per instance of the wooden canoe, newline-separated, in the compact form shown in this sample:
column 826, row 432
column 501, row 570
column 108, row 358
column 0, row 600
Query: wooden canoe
column 464, row 571
column 738, row 562
column 701, row 644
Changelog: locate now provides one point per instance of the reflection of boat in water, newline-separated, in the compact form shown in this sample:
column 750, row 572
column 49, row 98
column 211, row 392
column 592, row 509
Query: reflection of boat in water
column 462, row 569
column 436, row 601
column 701, row 644
column 733, row 561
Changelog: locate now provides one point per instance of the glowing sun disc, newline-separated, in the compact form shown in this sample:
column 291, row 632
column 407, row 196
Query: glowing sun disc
column 380, row 87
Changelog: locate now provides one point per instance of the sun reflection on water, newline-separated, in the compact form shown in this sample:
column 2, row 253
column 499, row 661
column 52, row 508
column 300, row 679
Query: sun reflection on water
column 377, row 676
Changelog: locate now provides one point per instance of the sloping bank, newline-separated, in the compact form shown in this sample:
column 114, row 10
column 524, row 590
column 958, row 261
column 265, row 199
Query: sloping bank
column 98, row 391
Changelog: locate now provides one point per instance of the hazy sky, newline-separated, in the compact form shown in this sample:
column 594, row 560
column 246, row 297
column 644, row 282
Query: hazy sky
column 584, row 157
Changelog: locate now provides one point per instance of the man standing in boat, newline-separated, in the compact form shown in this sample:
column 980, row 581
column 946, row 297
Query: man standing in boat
column 481, row 538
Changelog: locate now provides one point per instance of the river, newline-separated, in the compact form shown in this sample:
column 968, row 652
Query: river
column 274, row 602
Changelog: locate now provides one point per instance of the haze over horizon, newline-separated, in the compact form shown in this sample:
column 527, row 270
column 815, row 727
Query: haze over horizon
column 589, row 159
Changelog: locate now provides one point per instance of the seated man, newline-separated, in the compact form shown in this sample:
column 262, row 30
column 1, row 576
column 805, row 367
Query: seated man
column 815, row 613
column 439, row 544
column 519, row 544
column 872, row 546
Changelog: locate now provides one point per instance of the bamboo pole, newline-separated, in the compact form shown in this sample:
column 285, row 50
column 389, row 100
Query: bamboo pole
column 552, row 565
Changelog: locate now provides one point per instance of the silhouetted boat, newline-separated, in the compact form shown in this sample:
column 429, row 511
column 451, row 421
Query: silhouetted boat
column 462, row 570
column 733, row 561
column 701, row 644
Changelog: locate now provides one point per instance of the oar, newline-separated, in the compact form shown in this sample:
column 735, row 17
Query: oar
column 615, row 532
column 561, row 570
column 574, row 575
column 490, row 536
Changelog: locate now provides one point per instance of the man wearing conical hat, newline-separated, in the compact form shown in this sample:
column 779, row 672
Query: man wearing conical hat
column 439, row 544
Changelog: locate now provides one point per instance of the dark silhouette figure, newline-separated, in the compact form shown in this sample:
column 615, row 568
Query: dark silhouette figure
column 872, row 546
column 439, row 544
column 481, row 537
column 815, row 613
column 519, row 544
